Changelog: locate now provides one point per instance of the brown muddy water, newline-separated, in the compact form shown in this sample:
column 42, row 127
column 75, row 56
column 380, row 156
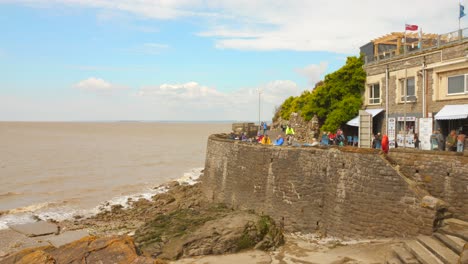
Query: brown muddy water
column 60, row 169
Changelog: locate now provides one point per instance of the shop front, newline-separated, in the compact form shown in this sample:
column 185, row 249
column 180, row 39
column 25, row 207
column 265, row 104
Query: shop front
column 453, row 117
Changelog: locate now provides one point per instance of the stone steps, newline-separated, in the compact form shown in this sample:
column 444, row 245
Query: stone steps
column 454, row 243
column 445, row 246
column 404, row 255
column 422, row 254
column 445, row 254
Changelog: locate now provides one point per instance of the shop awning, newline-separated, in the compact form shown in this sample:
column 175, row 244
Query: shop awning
column 450, row 112
column 355, row 121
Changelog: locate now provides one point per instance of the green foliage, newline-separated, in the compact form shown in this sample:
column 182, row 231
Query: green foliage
column 335, row 100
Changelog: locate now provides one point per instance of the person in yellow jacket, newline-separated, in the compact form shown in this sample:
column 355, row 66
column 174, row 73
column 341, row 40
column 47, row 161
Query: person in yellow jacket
column 289, row 134
column 266, row 140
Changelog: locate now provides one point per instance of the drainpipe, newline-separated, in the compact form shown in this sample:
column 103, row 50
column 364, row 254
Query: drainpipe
column 424, row 110
column 386, row 100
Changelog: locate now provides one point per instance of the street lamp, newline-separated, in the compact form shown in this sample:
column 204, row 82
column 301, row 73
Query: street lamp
column 405, row 97
column 259, row 90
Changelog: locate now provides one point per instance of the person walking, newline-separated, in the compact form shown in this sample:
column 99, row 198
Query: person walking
column 289, row 134
column 265, row 128
column 460, row 141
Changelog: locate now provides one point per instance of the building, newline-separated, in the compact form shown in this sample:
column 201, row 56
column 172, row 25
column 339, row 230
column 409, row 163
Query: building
column 416, row 83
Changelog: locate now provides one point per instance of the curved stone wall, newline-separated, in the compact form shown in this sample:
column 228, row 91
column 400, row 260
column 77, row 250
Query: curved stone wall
column 347, row 192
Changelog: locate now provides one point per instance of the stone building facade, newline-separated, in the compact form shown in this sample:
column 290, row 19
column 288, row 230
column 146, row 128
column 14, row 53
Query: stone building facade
column 346, row 192
column 434, row 78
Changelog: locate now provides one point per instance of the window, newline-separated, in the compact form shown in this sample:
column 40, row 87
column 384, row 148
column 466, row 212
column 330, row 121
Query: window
column 374, row 94
column 410, row 90
column 457, row 84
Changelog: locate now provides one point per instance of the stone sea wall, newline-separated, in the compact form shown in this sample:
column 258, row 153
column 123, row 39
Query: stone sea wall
column 443, row 174
column 347, row 192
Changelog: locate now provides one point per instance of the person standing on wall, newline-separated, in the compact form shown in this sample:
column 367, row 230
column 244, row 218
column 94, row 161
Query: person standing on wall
column 440, row 140
column 289, row 134
column 416, row 141
column 434, row 142
column 451, row 141
column 460, row 141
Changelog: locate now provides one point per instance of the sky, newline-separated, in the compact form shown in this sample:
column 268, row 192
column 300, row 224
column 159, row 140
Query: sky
column 185, row 60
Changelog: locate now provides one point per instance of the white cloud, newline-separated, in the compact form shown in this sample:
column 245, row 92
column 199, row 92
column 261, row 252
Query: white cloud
column 313, row 72
column 303, row 25
column 97, row 85
column 195, row 101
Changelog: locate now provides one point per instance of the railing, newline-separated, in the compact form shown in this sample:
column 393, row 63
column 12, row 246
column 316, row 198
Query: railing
column 421, row 45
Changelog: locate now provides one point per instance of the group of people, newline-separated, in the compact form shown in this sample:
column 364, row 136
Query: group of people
column 453, row 142
column 329, row 138
column 287, row 130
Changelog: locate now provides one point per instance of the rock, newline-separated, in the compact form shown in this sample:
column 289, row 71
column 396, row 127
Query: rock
column 67, row 237
column 214, row 231
column 36, row 229
column 36, row 257
column 116, row 249
column 432, row 202
column 29, row 256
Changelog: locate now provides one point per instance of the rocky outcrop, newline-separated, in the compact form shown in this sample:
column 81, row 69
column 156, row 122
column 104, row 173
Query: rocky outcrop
column 305, row 130
column 118, row 249
column 174, row 224
column 215, row 230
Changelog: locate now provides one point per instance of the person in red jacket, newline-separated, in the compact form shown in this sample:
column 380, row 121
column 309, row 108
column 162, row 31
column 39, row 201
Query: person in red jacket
column 385, row 144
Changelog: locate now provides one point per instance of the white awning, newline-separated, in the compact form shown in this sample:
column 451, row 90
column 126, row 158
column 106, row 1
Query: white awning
column 450, row 112
column 355, row 121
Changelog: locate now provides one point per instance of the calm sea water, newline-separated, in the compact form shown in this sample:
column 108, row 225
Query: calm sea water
column 56, row 170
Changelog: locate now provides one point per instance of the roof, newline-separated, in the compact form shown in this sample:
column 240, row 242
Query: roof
column 355, row 121
column 451, row 112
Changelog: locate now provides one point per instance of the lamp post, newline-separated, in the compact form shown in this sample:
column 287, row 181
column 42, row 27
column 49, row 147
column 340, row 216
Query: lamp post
column 259, row 90
column 405, row 96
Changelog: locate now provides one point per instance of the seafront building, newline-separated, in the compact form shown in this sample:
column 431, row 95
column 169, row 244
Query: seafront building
column 416, row 83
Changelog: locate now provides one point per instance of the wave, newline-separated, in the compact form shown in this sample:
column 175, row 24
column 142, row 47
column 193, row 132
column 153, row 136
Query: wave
column 60, row 211
column 9, row 194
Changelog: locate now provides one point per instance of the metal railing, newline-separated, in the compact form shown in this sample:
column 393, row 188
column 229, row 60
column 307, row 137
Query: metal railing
column 423, row 44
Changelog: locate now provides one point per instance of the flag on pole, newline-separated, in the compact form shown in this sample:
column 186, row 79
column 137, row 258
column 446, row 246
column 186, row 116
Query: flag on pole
column 462, row 11
column 420, row 35
column 411, row 27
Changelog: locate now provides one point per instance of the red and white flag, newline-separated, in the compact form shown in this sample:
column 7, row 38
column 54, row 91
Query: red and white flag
column 411, row 27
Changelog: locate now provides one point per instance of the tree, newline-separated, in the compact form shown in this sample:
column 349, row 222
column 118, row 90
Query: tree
column 335, row 100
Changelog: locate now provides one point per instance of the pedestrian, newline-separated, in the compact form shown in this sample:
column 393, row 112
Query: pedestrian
column 451, row 141
column 377, row 142
column 385, row 145
column 440, row 140
column 339, row 139
column 434, row 142
column 289, row 134
column 265, row 127
column 266, row 140
column 279, row 141
column 460, row 141
column 416, row 141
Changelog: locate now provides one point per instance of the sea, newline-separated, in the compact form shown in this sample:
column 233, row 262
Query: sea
column 61, row 170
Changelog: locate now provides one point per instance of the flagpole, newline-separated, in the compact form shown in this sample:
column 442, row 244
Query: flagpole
column 404, row 46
